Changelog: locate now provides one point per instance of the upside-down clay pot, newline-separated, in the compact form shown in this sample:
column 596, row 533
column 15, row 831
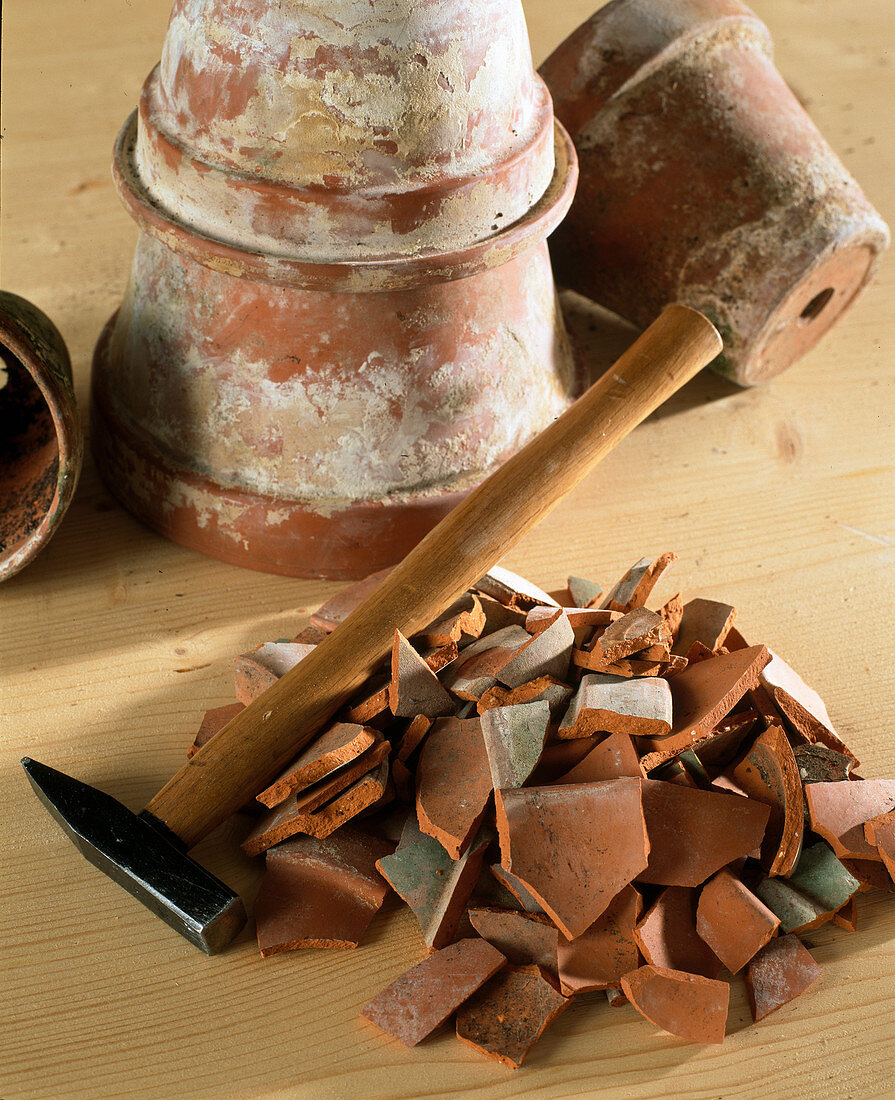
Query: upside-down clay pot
column 341, row 312
column 704, row 181
column 41, row 444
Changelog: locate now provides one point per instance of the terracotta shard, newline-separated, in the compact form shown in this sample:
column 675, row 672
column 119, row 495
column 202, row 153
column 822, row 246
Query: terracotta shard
column 633, row 668
column 797, row 912
column 658, row 653
column 320, row 893
column 405, row 786
column 818, row 764
column 880, row 831
column 612, row 704
column 673, row 612
column 778, row 974
column 369, row 702
column 819, row 878
column 549, row 837
column 694, row 833
column 336, row 746
column 453, row 782
column 675, row 772
column 705, row 621
column 870, row 874
column 463, row 621
column 693, row 765
column 584, row 593
column 630, row 634
column 545, row 654
column 559, row 756
column 440, row 657
column 728, row 737
column 435, row 887
column 769, row 773
column 383, row 780
column 214, row 720
column 667, row 935
column 733, row 921
column 514, row 740
column 523, row 937
column 583, row 620
column 699, row 652
column 770, row 713
column 701, row 696
column 475, row 670
column 311, row 798
column 517, row 888
column 489, row 893
column 512, row 590
column 634, row 589
column 422, row 998
column 847, row 916
column 284, row 821
column 311, row 635
column 801, row 705
column 336, row 610
column 414, row 688
column 498, row 616
column 685, row 1005
column 838, row 812
column 824, row 878
column 508, row 1015
column 601, row 955
column 610, row 759
column 256, row 671
column 413, row 736
column 553, row 692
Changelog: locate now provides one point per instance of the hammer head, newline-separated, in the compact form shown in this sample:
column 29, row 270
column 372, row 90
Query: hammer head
column 140, row 854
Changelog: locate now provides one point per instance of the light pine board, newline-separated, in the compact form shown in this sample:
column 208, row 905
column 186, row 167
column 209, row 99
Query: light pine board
column 779, row 500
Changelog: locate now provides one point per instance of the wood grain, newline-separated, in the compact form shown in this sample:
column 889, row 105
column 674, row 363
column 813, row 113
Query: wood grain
column 779, row 500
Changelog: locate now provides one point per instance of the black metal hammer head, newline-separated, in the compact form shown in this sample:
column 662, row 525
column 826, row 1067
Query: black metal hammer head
column 144, row 857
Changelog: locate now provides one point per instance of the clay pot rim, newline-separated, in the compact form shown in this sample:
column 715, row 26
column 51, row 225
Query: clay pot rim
column 441, row 213
column 48, row 368
column 444, row 185
column 396, row 273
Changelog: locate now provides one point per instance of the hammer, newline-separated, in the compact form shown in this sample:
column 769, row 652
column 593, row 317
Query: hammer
column 146, row 852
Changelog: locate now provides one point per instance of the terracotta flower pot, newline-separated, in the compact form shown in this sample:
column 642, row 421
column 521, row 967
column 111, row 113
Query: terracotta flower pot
column 341, row 313
column 704, row 181
column 41, row 445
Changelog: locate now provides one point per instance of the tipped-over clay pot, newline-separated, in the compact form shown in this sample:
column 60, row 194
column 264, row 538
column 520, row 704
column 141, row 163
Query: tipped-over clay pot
column 704, row 181
column 341, row 313
column 41, row 445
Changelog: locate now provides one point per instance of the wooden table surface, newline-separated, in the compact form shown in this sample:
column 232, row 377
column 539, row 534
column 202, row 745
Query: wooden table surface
column 779, row 499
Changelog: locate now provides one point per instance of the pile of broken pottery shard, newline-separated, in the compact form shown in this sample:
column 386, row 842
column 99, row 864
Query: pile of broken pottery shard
column 571, row 794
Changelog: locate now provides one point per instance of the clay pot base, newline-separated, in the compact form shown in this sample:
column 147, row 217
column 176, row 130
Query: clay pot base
column 265, row 533
column 809, row 311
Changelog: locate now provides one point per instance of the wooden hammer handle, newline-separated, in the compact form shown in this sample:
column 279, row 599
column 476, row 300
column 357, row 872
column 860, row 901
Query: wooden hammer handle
column 251, row 750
